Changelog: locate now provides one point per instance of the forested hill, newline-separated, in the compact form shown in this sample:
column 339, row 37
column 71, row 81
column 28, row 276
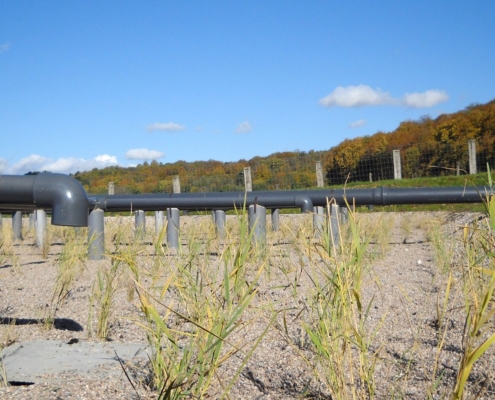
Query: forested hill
column 428, row 147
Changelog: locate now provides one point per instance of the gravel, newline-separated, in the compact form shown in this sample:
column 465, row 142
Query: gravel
column 403, row 281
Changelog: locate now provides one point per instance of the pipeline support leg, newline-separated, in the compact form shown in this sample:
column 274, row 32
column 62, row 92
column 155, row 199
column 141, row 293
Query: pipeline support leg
column 318, row 222
column 173, row 225
column 220, row 218
column 40, row 228
column 32, row 221
column 257, row 225
column 17, row 225
column 344, row 215
column 96, row 234
column 140, row 223
column 158, row 222
column 275, row 219
column 334, row 225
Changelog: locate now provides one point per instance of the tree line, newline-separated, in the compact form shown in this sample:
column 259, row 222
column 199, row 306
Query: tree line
column 429, row 147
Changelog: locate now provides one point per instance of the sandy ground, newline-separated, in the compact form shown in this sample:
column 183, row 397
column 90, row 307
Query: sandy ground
column 403, row 279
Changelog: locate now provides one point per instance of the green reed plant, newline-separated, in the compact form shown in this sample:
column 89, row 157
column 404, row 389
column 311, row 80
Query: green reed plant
column 7, row 250
column 479, row 287
column 336, row 327
column 382, row 235
column 443, row 246
column 70, row 265
column 442, row 309
column 104, row 291
column 201, row 309
column 125, row 252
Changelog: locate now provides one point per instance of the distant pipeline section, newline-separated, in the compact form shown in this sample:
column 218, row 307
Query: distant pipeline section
column 303, row 199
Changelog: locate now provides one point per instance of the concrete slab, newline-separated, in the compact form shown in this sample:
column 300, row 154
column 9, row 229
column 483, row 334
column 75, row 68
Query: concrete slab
column 39, row 361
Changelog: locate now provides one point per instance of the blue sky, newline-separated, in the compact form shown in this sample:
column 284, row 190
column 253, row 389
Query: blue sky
column 87, row 84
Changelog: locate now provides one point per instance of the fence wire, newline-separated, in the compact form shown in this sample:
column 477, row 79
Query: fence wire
column 298, row 171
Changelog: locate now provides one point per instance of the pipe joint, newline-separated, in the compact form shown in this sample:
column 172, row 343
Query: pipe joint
column 65, row 196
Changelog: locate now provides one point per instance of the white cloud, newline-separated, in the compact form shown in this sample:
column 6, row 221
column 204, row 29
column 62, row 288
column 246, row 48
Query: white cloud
column 354, row 96
column 357, row 124
column 4, row 47
column 106, row 159
column 35, row 162
column 363, row 95
column 429, row 98
column 143, row 154
column 244, row 127
column 167, row 126
column 72, row 164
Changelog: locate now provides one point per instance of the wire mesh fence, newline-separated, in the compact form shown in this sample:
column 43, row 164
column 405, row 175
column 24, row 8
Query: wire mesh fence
column 288, row 171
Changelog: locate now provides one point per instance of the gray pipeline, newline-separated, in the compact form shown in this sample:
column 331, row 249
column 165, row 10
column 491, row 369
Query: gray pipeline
column 303, row 199
column 69, row 203
column 60, row 193
column 190, row 201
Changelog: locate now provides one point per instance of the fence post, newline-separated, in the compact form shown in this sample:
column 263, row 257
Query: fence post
column 17, row 225
column 173, row 225
column 111, row 188
column 319, row 174
column 96, row 234
column 248, row 183
column 257, row 224
column 458, row 168
column 472, row 156
column 397, row 165
column 40, row 228
column 176, row 184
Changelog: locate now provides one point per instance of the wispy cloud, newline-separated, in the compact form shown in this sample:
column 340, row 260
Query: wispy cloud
column 165, row 126
column 143, row 154
column 244, row 127
column 363, row 95
column 4, row 47
column 357, row 124
column 69, row 165
column 3, row 164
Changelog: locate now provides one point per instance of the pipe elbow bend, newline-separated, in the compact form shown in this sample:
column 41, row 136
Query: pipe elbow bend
column 65, row 196
column 304, row 203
